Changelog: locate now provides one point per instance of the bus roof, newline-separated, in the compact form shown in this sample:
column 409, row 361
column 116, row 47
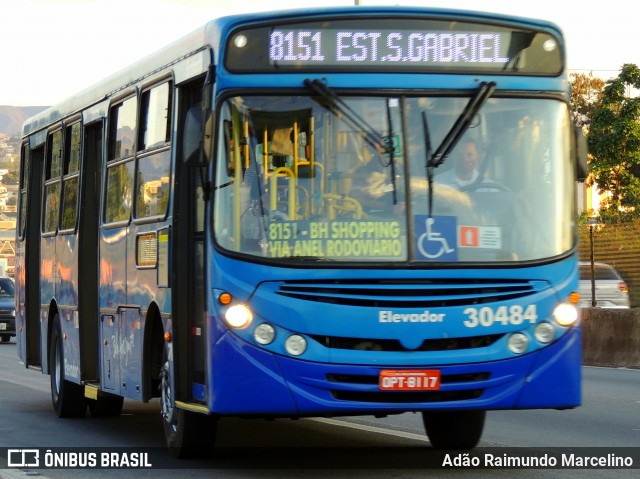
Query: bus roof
column 208, row 36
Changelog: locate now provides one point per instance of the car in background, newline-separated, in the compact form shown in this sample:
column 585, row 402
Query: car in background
column 7, row 309
column 611, row 290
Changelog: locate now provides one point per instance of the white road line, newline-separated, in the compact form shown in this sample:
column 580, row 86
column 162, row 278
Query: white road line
column 377, row 430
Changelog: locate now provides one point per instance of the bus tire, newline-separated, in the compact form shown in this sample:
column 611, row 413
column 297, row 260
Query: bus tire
column 454, row 429
column 187, row 434
column 106, row 406
column 67, row 397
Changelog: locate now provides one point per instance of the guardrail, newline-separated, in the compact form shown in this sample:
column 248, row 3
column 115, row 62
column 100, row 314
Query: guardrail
column 611, row 337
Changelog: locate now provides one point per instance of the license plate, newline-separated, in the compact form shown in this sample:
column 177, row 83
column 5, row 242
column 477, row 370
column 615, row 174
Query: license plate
column 409, row 380
column 3, row 326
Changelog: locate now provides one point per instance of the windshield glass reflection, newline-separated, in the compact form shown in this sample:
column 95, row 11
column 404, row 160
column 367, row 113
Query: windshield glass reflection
column 299, row 180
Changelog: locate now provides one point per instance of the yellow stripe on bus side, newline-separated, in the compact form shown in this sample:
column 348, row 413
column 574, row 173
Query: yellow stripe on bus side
column 192, row 407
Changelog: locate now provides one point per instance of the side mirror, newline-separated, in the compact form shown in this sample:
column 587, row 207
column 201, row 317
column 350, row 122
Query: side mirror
column 193, row 138
column 582, row 171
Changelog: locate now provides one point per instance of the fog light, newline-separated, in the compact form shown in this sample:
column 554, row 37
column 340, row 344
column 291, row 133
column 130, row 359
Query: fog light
column 264, row 334
column 238, row 316
column 518, row 343
column 544, row 332
column 565, row 314
column 295, row 345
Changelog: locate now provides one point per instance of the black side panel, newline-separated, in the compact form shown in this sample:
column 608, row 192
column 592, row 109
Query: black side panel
column 188, row 282
column 32, row 259
column 89, row 252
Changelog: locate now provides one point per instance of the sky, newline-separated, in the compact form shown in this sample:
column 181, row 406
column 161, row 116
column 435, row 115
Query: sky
column 51, row 49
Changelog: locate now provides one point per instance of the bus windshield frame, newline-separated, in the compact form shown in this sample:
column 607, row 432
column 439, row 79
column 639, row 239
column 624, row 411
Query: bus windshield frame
column 327, row 189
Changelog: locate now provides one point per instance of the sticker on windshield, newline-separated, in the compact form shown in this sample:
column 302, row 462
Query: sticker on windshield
column 489, row 237
column 436, row 238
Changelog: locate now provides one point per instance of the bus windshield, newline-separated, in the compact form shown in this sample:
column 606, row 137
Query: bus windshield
column 352, row 178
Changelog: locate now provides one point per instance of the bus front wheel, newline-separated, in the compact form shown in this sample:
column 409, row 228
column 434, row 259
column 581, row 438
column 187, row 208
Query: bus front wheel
column 454, row 429
column 188, row 434
column 67, row 397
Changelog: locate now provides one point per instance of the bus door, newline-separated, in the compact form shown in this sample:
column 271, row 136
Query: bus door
column 188, row 288
column 28, row 264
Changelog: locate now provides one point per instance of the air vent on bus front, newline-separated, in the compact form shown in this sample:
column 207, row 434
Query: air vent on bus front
column 408, row 293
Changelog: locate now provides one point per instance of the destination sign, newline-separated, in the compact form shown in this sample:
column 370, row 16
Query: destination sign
column 336, row 239
column 393, row 44
column 336, row 47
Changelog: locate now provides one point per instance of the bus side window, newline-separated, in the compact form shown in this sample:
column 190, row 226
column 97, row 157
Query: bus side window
column 120, row 170
column 70, row 177
column 155, row 117
column 52, row 183
column 153, row 170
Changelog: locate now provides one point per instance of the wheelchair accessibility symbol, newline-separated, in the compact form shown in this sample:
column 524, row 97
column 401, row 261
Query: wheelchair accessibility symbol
column 436, row 237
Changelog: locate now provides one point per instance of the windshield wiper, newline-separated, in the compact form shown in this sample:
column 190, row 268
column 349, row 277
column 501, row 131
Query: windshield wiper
column 372, row 137
column 462, row 124
column 433, row 160
column 390, row 150
column 428, row 154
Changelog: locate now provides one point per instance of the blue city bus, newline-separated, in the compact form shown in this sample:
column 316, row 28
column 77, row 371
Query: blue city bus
column 325, row 212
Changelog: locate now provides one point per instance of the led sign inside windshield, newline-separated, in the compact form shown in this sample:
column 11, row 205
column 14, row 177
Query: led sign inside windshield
column 336, row 47
column 393, row 45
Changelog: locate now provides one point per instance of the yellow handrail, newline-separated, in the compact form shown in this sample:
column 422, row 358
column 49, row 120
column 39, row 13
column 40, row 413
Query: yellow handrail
column 273, row 187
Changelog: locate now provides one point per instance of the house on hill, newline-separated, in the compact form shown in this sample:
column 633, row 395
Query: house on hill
column 7, row 245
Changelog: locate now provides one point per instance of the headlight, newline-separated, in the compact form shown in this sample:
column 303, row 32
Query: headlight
column 544, row 332
column 565, row 314
column 264, row 334
column 295, row 345
column 518, row 343
column 238, row 316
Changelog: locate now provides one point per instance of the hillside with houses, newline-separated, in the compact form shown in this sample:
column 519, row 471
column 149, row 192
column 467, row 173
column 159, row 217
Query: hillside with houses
column 9, row 174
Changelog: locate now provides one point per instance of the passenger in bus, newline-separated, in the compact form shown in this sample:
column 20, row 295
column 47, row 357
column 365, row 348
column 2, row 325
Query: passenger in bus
column 372, row 184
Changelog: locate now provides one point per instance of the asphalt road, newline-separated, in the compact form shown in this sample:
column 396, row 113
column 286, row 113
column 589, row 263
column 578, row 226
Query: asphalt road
column 609, row 420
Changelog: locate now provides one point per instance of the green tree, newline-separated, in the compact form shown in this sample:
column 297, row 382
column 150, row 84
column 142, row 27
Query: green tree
column 614, row 146
column 586, row 92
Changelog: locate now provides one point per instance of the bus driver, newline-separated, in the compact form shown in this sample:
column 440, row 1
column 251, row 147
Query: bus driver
column 465, row 167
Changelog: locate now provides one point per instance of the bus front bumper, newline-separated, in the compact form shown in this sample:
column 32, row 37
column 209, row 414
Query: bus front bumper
column 246, row 380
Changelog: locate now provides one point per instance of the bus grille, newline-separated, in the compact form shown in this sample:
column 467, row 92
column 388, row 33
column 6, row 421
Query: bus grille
column 408, row 293
column 440, row 344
